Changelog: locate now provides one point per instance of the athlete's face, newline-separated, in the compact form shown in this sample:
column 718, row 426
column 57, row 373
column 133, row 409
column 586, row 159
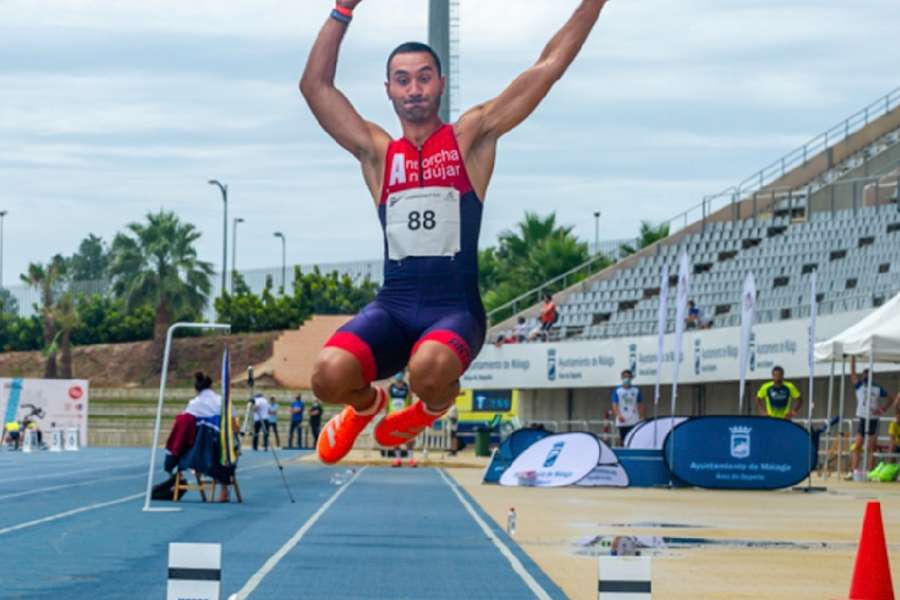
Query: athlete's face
column 415, row 88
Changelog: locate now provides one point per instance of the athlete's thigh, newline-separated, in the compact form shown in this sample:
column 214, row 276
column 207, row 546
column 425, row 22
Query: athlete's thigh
column 377, row 341
column 460, row 331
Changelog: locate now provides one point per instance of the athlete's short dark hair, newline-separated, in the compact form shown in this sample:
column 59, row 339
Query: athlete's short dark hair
column 411, row 48
column 777, row 368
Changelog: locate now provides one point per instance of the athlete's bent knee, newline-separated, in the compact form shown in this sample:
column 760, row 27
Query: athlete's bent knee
column 434, row 372
column 334, row 375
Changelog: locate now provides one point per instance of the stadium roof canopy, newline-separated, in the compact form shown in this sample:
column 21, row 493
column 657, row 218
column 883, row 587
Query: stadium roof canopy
column 876, row 337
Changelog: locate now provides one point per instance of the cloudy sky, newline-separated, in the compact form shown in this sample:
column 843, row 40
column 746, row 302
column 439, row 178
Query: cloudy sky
column 111, row 109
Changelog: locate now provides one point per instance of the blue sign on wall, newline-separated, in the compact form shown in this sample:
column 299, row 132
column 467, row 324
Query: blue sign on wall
column 747, row 453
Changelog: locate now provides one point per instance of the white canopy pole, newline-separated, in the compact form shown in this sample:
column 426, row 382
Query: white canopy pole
column 841, row 413
column 828, row 435
column 868, row 413
column 162, row 390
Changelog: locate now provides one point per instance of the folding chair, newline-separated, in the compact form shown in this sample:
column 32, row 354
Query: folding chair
column 182, row 485
column 234, row 483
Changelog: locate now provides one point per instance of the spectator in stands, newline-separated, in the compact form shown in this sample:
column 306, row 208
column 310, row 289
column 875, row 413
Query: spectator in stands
column 273, row 420
column 868, row 409
column 260, row 420
column 315, row 419
column 778, row 398
column 549, row 317
column 627, row 405
column 521, row 333
column 695, row 318
column 297, row 408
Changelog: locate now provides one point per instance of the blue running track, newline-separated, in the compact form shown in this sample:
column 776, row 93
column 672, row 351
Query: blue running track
column 71, row 526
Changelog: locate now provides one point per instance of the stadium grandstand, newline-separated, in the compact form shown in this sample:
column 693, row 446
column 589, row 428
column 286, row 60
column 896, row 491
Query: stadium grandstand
column 838, row 216
column 829, row 207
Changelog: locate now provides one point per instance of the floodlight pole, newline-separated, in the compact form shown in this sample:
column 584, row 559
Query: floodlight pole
column 162, row 391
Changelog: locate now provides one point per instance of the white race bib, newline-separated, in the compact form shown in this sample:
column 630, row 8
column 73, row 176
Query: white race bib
column 423, row 222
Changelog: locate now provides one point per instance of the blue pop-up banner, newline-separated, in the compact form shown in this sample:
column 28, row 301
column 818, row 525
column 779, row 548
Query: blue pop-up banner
column 747, row 453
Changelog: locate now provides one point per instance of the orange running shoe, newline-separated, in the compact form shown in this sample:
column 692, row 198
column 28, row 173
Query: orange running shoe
column 404, row 425
column 339, row 434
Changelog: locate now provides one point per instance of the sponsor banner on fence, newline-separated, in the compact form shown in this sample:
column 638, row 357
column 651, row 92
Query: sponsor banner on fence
column 554, row 461
column 710, row 355
column 53, row 403
column 753, row 453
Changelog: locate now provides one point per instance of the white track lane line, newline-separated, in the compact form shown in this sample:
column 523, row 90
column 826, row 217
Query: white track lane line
column 131, row 465
column 76, row 511
column 273, row 561
column 69, row 513
column 516, row 564
column 69, row 485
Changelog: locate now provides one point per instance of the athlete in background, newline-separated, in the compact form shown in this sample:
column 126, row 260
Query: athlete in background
column 428, row 187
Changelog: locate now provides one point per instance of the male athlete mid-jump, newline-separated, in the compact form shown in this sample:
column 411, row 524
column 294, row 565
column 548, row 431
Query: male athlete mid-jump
column 428, row 187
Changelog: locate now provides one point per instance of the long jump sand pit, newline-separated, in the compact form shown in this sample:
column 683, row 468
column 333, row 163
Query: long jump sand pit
column 802, row 546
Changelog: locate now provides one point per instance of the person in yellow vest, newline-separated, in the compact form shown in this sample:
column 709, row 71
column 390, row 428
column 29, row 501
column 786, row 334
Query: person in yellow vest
column 12, row 434
column 778, row 398
column 894, row 428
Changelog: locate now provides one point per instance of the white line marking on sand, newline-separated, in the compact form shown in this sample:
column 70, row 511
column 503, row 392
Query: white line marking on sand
column 273, row 561
column 516, row 564
column 69, row 513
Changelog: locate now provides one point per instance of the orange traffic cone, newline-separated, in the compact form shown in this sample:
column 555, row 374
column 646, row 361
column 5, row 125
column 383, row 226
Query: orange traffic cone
column 872, row 571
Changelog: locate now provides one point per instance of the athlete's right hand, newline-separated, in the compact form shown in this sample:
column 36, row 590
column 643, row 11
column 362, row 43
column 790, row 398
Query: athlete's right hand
column 348, row 4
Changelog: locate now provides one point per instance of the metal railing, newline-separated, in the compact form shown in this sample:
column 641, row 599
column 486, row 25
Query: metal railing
column 786, row 163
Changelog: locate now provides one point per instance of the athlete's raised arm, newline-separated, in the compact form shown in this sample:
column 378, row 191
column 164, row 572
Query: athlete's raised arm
column 329, row 105
column 496, row 117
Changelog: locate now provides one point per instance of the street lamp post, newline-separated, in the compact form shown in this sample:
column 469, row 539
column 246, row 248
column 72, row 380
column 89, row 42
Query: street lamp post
column 2, row 216
column 234, row 250
column 597, row 232
column 224, row 189
column 278, row 234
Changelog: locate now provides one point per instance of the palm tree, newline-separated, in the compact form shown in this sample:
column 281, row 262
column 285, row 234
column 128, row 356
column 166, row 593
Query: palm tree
column 66, row 318
column 156, row 263
column 648, row 235
column 515, row 246
column 46, row 279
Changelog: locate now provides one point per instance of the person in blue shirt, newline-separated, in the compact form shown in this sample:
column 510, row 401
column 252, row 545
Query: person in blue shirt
column 628, row 405
column 297, row 408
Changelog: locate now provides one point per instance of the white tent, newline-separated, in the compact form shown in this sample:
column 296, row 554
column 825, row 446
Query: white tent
column 876, row 338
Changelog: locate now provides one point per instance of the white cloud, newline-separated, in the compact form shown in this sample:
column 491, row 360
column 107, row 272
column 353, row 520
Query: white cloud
column 668, row 102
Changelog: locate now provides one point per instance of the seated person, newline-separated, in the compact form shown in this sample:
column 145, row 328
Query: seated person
column 549, row 317
column 194, row 440
column 521, row 330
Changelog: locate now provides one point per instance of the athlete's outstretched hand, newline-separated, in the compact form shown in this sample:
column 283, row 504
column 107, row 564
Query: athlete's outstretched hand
column 349, row 4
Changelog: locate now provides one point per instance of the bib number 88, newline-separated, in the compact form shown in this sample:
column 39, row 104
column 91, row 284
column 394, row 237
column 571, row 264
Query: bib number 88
column 425, row 220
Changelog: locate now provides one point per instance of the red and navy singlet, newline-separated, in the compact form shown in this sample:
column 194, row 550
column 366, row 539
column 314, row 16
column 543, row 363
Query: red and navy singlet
column 431, row 219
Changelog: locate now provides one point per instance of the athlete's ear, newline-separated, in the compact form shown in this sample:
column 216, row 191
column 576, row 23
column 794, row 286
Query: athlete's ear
column 387, row 90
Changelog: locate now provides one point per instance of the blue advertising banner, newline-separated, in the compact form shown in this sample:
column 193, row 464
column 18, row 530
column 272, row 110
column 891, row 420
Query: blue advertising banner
column 745, row 453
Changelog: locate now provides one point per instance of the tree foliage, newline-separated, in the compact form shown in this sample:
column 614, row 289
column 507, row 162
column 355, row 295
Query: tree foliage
column 537, row 250
column 648, row 235
column 155, row 264
column 313, row 293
